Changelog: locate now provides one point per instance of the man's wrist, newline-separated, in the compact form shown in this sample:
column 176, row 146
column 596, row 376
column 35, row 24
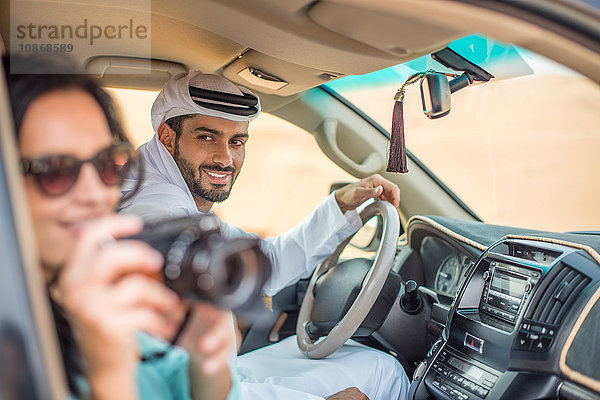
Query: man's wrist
column 343, row 207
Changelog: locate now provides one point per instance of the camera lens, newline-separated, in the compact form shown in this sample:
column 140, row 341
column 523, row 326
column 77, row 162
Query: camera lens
column 202, row 265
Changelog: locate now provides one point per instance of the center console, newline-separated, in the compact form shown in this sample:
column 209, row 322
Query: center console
column 505, row 318
column 507, row 289
column 459, row 377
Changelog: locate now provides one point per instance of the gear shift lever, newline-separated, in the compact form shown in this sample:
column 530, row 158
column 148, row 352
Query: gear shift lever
column 410, row 301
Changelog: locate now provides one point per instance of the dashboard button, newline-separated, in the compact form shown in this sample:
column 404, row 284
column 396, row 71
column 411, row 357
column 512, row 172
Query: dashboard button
column 488, row 383
column 523, row 342
column 471, row 386
column 458, row 395
column 541, row 345
column 481, row 392
column 537, row 329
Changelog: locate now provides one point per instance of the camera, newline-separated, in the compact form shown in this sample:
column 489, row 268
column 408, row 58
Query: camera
column 202, row 265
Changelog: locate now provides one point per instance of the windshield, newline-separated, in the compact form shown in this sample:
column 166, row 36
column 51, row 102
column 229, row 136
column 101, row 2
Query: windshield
column 519, row 150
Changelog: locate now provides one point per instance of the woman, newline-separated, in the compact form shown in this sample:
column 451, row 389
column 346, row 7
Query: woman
column 103, row 291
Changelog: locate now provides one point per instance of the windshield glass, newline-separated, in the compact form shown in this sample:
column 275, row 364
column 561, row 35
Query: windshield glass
column 519, row 150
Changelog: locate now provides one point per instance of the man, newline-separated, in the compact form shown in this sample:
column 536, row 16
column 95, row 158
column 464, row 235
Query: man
column 201, row 123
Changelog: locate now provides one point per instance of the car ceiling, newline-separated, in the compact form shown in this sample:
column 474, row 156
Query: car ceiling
column 303, row 42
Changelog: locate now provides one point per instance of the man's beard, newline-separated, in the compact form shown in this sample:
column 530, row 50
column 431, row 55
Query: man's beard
column 213, row 193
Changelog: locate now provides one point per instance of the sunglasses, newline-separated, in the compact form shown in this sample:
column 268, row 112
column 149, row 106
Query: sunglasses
column 56, row 175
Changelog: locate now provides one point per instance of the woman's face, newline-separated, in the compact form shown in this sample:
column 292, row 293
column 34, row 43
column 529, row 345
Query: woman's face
column 66, row 122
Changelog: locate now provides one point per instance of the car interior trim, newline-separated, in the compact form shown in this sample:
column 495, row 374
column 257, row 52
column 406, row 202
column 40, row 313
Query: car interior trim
column 575, row 375
column 593, row 253
column 39, row 306
column 448, row 231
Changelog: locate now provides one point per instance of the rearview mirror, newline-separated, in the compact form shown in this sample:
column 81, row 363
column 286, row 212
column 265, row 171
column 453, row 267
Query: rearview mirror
column 435, row 95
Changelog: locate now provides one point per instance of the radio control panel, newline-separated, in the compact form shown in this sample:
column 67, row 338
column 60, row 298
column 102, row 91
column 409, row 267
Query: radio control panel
column 461, row 379
column 506, row 290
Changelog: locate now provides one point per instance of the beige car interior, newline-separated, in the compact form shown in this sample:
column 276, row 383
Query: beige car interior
column 299, row 45
column 281, row 49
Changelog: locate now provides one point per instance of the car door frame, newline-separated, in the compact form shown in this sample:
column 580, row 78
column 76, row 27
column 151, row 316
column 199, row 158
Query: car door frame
column 23, row 296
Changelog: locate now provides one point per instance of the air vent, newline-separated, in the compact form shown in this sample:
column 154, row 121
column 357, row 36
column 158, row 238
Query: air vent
column 555, row 295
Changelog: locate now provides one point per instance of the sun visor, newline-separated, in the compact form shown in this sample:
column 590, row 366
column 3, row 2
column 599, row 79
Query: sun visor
column 132, row 72
column 406, row 37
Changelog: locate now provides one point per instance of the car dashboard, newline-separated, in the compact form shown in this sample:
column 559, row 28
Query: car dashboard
column 521, row 309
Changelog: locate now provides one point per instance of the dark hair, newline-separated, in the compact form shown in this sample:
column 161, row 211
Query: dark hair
column 176, row 123
column 32, row 77
column 28, row 79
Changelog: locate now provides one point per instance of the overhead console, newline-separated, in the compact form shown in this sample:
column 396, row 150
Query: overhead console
column 509, row 323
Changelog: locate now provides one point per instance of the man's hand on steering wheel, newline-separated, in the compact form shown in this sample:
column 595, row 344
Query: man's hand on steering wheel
column 370, row 286
column 375, row 186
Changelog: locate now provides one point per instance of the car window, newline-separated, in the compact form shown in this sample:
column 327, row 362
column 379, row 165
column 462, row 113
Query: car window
column 134, row 107
column 519, row 150
column 284, row 177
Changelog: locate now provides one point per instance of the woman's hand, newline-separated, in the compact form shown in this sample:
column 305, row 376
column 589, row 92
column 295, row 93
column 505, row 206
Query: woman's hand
column 210, row 339
column 110, row 295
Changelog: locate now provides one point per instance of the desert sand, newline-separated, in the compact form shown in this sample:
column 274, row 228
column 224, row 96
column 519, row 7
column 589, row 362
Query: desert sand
column 552, row 122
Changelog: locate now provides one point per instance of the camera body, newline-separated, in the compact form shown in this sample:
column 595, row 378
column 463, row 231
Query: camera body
column 202, row 265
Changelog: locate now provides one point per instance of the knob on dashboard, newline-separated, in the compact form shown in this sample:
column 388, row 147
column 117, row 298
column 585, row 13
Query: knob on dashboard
column 486, row 275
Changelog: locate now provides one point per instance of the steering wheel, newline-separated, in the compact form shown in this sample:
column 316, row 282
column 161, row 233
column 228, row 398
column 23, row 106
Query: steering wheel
column 369, row 292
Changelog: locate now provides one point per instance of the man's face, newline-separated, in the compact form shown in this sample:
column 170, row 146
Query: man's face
column 210, row 153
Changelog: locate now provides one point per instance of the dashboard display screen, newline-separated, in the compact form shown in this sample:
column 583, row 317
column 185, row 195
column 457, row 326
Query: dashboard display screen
column 509, row 284
column 507, row 290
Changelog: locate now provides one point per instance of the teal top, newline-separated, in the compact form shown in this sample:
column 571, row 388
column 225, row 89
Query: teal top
column 163, row 377
column 164, row 374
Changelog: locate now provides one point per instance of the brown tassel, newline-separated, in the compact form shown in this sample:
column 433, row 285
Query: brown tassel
column 397, row 158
